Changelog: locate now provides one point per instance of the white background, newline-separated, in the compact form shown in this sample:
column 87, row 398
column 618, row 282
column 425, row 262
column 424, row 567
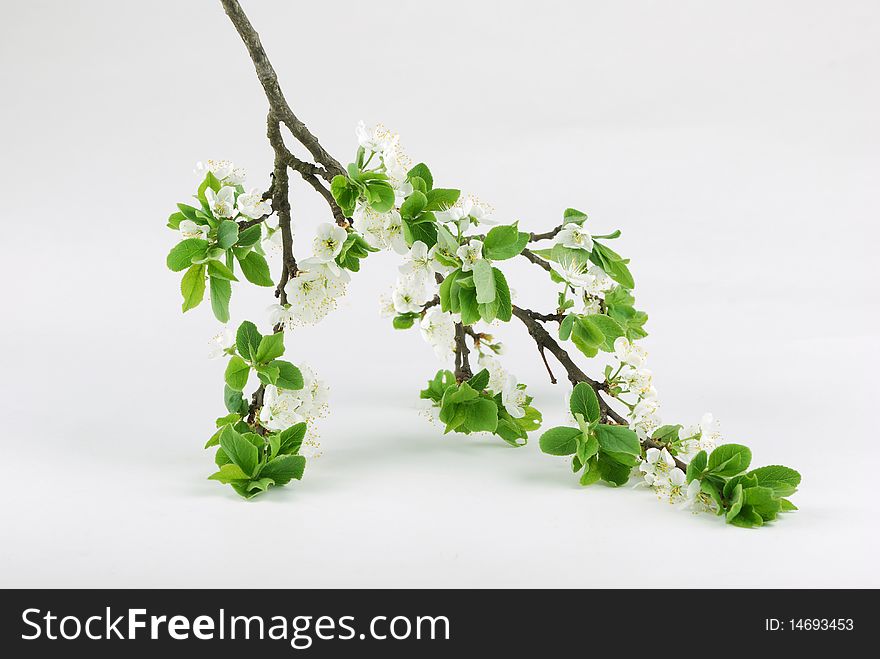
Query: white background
column 735, row 145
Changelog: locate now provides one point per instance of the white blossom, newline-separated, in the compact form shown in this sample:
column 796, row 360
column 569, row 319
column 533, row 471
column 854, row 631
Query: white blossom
column 629, row 353
column 591, row 306
column 314, row 291
column 189, row 229
column 464, row 210
column 251, row 204
column 282, row 315
column 575, row 236
column 639, row 381
column 409, row 296
column 656, row 466
column 703, row 436
column 497, row 374
column 221, row 203
column 328, row 241
column 272, row 242
column 513, row 398
column 221, row 169
column 386, row 306
column 438, row 330
column 600, row 284
column 469, row 254
column 221, row 343
column 419, row 264
column 279, row 409
column 575, row 273
column 697, row 500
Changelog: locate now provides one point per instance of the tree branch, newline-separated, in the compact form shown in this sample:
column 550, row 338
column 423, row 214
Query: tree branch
column 537, row 260
column 545, row 236
column 462, row 366
column 269, row 81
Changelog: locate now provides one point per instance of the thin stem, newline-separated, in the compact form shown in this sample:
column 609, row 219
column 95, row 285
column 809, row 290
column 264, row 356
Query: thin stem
column 462, row 365
column 269, row 81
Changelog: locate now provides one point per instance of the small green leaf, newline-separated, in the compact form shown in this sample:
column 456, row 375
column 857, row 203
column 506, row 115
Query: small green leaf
column 479, row 381
column 233, row 400
column 484, row 279
column 782, row 480
column 220, row 271
column 247, row 340
column 560, row 440
column 292, row 438
column 440, row 199
column 697, row 466
column 221, row 293
column 729, row 460
column 271, row 347
column 229, row 473
column 413, row 205
column 227, row 234
column 504, row 242
column 421, row 170
column 239, row 450
column 255, row 269
column 481, row 415
column 617, row 439
column 584, row 401
column 182, row 254
column 502, row 292
column 192, row 287
column 289, row 376
column 237, row 372
column 284, row 468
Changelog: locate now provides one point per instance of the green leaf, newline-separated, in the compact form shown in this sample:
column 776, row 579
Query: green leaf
column 227, row 233
column 174, row 220
column 239, row 450
column 233, row 400
column 441, row 199
column 421, row 170
column 468, row 306
column 618, row 439
column 504, row 242
column 729, row 460
column 229, row 473
column 237, row 372
column 189, row 212
column 271, row 347
column 612, row 471
column 697, row 466
column 666, row 434
column 560, row 440
column 479, row 381
column 292, row 438
column 584, row 401
column 220, row 271
column 783, row 481
column 284, row 468
column 221, row 293
column 591, row 472
column 345, row 193
column 255, row 269
column 481, row 415
column 424, row 231
column 566, row 326
column 247, row 340
column 787, row 506
column 735, row 503
column 250, row 236
column 192, row 287
column 502, row 292
column 403, row 322
column 289, row 376
column 484, row 279
column 610, row 329
column 380, row 195
column 267, row 373
column 413, row 205
column 573, row 215
column 446, row 296
column 181, row 255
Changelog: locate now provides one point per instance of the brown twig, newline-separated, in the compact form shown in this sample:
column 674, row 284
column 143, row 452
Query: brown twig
column 269, row 81
column 537, row 260
column 462, row 365
column 545, row 236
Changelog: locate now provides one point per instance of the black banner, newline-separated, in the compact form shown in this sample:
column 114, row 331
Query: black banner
column 285, row 623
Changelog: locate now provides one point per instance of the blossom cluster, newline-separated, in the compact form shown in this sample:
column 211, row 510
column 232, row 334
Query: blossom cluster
column 230, row 202
column 283, row 408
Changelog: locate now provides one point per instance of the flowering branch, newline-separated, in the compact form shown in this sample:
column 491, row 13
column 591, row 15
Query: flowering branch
column 450, row 281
